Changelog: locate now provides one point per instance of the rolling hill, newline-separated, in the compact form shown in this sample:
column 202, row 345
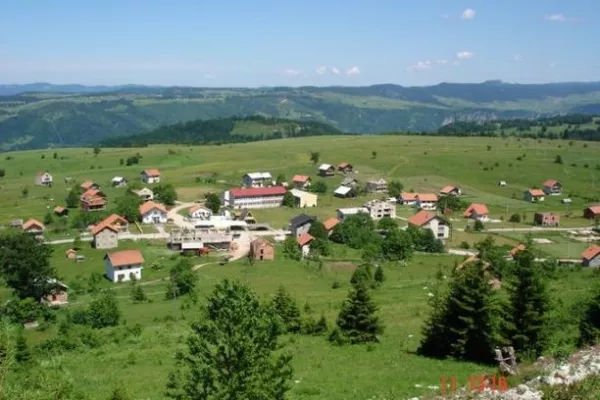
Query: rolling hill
column 44, row 115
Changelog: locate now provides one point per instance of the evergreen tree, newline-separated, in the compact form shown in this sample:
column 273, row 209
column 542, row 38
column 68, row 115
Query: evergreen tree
column 137, row 293
column 48, row 218
column 589, row 325
column 235, row 323
column 357, row 321
column 362, row 274
column 321, row 326
column 72, row 199
column 285, row 307
column 291, row 249
column 462, row 323
column 22, row 353
column 379, row 276
column 529, row 305
column 289, row 200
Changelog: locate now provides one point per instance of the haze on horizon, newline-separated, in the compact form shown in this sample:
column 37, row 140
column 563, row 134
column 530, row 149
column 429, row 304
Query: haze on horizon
column 269, row 43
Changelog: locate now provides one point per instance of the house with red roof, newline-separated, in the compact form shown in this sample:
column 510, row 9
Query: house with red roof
column 427, row 201
column 477, row 211
column 429, row 220
column 552, row 187
column 592, row 212
column 304, row 242
column 450, row 190
column 330, row 224
column 92, row 200
column 408, row 198
column 261, row 197
column 199, row 212
column 106, row 236
column 121, row 266
column 151, row 175
column 34, row 227
column 153, row 213
column 301, row 181
column 345, row 167
column 591, row 256
column 534, row 195
column 60, row 211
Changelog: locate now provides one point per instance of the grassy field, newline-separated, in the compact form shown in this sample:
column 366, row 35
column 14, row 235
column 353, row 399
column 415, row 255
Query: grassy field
column 390, row 370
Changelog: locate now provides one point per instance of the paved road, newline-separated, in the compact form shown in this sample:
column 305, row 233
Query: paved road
column 537, row 229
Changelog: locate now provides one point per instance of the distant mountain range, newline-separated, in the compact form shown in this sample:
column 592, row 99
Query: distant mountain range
column 41, row 115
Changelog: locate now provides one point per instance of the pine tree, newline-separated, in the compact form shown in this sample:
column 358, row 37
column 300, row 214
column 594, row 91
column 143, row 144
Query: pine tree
column 137, row 293
column 321, row 326
column 379, row 276
column 362, row 274
column 589, row 325
column 462, row 324
column 286, row 308
column 72, row 199
column 119, row 394
column 22, row 353
column 529, row 305
column 357, row 321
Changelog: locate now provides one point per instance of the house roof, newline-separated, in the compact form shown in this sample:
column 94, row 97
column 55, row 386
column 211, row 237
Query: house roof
column 301, row 219
column 594, row 209
column 591, row 252
column 115, row 219
column 32, row 223
column 478, row 208
column 421, row 218
column 151, row 172
column 257, row 192
column 343, row 165
column 343, row 190
column 259, row 242
column 42, row 174
column 427, row 197
column 126, row 257
column 535, row 192
column 330, row 223
column 87, row 184
column 408, row 196
column 70, row 251
column 143, row 191
column 325, row 167
column 59, row 209
column 151, row 205
column 305, row 238
column 516, row 249
column 259, row 175
column 379, row 181
column 118, row 179
column 92, row 193
column 301, row 193
column 348, row 181
column 301, row 178
column 96, row 229
column 196, row 207
column 448, row 189
column 550, row 182
column 353, row 210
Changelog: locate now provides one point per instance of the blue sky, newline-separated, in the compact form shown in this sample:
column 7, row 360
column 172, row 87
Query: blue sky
column 308, row 42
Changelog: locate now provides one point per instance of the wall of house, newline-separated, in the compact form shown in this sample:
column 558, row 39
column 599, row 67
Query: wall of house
column 113, row 273
column 305, row 250
column 307, row 200
column 256, row 202
column 381, row 210
column 302, row 229
column 201, row 214
column 149, row 218
column 266, row 252
column 58, row 298
column 106, row 239
column 150, row 179
column 427, row 205
column 440, row 230
column 594, row 262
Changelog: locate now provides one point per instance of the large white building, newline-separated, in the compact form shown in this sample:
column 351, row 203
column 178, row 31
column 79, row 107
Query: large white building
column 257, row 179
column 343, row 213
column 121, row 266
column 265, row 197
column 379, row 209
column 153, row 213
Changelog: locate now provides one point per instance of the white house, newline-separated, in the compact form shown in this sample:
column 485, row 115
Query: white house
column 151, row 176
column 118, row 181
column 257, row 179
column 428, row 220
column 153, row 213
column 343, row 213
column 121, row 266
column 145, row 194
column 343, row 191
column 427, row 201
column 477, row 211
column 408, row 198
column 264, row 197
column 199, row 212
column 43, row 179
column 304, row 199
column 304, row 241
column 379, row 209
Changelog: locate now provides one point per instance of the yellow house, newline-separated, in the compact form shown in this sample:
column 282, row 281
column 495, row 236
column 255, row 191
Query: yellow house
column 304, row 199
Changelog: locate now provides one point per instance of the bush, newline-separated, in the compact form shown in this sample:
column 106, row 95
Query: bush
column 465, row 245
column 515, row 218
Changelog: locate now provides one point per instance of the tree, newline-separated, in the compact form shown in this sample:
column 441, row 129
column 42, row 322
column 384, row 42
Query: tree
column 397, row 246
column 478, row 226
column 97, row 151
column 48, row 218
column 314, row 157
column 291, row 249
column 317, row 230
column 137, row 292
column 374, row 154
column 356, row 231
column 429, row 243
column 287, row 309
column 213, row 202
column 362, row 275
column 357, row 321
column 589, row 325
column 461, row 324
column 234, row 323
column 25, row 191
column 529, row 305
column 320, row 247
column 166, row 194
column 379, row 276
column 515, row 218
column 22, row 354
column 182, row 279
column 128, row 206
column 2, row 172
column 77, row 243
column 395, row 188
column 55, row 155
column 289, row 200
column 280, row 179
column 558, row 160
column 319, row 187
column 103, row 311
column 72, row 199
column 25, row 265
column 387, row 224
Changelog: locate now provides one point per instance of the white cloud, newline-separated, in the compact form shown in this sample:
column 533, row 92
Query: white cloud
column 420, row 66
column 469, row 13
column 335, row 71
column 441, row 62
column 321, row 70
column 518, row 57
column 353, row 71
column 465, row 55
column 291, row 72
column 556, row 18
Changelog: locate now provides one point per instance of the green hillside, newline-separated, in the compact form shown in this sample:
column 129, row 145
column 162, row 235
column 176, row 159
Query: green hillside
column 80, row 115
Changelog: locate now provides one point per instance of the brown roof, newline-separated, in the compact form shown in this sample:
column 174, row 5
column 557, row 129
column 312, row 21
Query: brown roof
column 517, row 249
column 59, row 209
column 427, row 197
column 343, row 165
column 301, row 178
column 126, row 257
column 96, row 229
column 152, row 172
column 115, row 219
column 330, row 223
column 70, row 251
column 305, row 238
column 409, row 196
column 594, row 209
column 149, row 206
column 480, row 209
column 92, row 193
column 33, row 223
column 258, row 242
column 536, row 192
column 447, row 189
column 421, row 218
column 87, row 184
column 470, row 260
column 196, row 207
column 591, row 252
column 550, row 182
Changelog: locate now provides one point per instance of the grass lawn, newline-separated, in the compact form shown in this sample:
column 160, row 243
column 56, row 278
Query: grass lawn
column 561, row 247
